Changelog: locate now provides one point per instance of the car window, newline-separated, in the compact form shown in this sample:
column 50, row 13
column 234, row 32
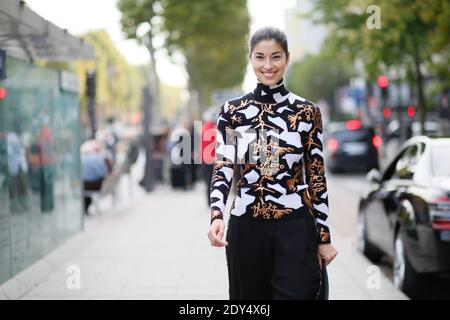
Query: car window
column 403, row 167
column 406, row 165
column 353, row 135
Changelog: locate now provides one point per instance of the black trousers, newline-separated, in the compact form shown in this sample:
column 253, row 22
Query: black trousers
column 273, row 259
column 91, row 186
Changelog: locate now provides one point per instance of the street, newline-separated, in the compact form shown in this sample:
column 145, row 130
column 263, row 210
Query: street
column 154, row 246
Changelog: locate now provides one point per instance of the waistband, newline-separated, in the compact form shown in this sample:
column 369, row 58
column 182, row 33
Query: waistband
column 294, row 216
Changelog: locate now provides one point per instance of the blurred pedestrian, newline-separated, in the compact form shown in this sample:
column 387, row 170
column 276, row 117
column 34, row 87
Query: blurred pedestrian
column 278, row 239
column 111, row 138
column 95, row 166
column 208, row 148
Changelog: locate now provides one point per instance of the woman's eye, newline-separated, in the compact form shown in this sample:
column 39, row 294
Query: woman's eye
column 277, row 57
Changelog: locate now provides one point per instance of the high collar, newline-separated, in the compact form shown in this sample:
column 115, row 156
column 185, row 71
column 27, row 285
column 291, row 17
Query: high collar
column 269, row 94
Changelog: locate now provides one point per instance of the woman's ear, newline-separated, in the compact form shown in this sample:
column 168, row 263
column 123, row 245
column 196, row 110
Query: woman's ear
column 288, row 57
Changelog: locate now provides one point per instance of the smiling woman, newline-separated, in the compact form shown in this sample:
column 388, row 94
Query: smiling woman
column 270, row 140
column 269, row 57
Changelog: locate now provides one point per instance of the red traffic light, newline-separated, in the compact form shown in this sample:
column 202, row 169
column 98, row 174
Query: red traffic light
column 383, row 82
column 2, row 93
column 411, row 111
column 387, row 113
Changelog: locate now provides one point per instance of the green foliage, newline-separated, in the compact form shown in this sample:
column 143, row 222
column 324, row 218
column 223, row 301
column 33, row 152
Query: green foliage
column 414, row 38
column 135, row 13
column 316, row 76
column 118, row 84
column 212, row 37
column 411, row 31
column 210, row 34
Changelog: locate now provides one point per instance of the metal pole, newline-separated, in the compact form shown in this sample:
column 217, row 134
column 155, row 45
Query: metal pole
column 147, row 181
column 90, row 92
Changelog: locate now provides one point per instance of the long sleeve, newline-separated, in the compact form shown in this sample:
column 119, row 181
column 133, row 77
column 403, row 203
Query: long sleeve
column 223, row 164
column 315, row 175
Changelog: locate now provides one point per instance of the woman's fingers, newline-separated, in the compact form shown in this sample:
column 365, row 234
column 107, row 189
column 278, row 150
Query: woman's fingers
column 215, row 237
column 220, row 243
column 217, row 241
column 330, row 257
column 327, row 252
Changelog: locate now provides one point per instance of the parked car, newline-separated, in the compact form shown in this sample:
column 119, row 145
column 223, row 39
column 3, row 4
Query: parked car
column 351, row 146
column 405, row 214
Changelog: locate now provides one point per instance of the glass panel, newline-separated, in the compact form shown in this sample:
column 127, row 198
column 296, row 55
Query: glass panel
column 354, row 135
column 5, row 249
column 43, row 193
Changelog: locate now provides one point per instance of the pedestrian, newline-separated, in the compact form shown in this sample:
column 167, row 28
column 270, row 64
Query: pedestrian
column 95, row 166
column 208, row 148
column 270, row 140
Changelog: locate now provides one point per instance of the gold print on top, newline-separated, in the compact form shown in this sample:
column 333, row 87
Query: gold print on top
column 235, row 119
column 294, row 181
column 272, row 152
column 266, row 108
column 316, row 181
column 305, row 113
column 218, row 164
column 293, row 118
column 267, row 211
column 324, row 235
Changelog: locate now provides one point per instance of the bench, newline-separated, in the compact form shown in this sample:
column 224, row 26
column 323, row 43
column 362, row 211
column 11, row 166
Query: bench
column 112, row 180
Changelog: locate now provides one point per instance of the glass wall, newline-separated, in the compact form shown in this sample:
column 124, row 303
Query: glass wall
column 40, row 172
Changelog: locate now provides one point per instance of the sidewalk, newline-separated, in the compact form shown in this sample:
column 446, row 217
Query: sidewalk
column 157, row 248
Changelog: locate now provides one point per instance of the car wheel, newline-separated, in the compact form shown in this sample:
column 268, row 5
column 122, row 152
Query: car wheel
column 363, row 245
column 406, row 279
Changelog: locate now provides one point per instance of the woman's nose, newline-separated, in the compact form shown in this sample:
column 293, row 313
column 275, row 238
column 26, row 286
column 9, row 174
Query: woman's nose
column 268, row 64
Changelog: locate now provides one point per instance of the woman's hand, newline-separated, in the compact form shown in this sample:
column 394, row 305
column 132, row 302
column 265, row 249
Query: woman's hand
column 326, row 252
column 215, row 233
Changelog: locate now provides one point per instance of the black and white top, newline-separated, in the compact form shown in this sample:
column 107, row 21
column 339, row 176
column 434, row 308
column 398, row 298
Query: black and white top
column 273, row 139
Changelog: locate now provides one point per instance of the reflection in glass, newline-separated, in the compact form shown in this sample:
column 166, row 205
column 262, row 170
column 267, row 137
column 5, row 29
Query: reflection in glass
column 40, row 174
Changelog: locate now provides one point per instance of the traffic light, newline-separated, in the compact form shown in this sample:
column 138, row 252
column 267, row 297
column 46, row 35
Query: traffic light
column 411, row 110
column 90, row 83
column 2, row 93
column 383, row 83
column 387, row 113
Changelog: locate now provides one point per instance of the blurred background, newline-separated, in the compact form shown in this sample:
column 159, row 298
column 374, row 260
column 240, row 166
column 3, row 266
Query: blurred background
column 96, row 96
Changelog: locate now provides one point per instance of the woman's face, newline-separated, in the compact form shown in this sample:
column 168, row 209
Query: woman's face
column 269, row 62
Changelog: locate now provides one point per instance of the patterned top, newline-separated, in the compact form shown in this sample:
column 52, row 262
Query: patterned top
column 270, row 140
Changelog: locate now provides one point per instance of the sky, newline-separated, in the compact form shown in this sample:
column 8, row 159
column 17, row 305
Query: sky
column 80, row 16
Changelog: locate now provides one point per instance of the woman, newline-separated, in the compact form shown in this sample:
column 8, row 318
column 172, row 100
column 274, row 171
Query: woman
column 271, row 141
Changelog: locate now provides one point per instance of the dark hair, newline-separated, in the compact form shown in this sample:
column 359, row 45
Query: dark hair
column 269, row 33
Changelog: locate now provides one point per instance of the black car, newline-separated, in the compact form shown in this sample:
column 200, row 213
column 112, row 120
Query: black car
column 351, row 146
column 405, row 214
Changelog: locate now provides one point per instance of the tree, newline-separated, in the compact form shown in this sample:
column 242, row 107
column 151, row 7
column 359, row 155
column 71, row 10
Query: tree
column 211, row 35
column 143, row 14
column 317, row 76
column 117, row 83
column 413, row 32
